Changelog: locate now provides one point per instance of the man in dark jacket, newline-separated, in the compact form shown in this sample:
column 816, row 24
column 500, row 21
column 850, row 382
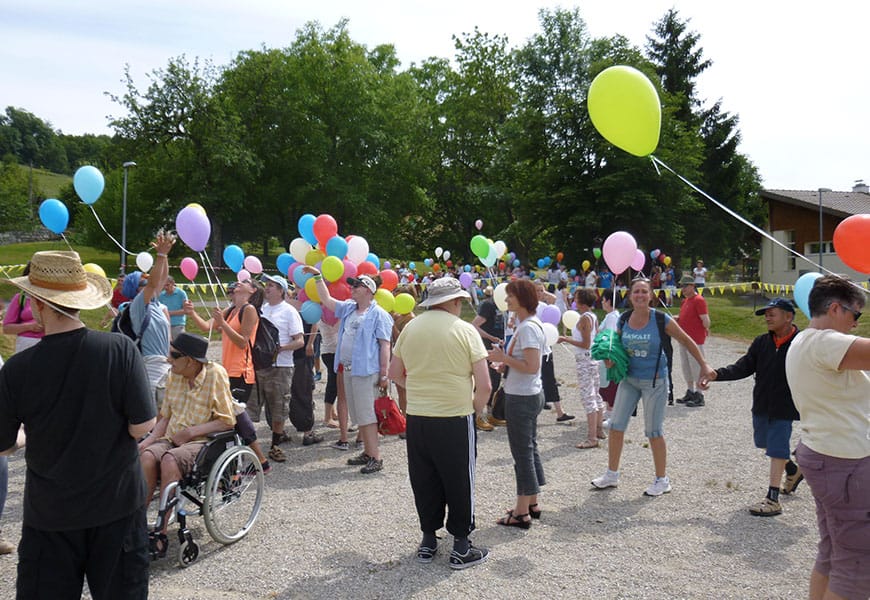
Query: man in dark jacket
column 772, row 407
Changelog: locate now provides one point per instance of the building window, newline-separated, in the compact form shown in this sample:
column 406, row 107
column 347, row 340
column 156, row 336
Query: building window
column 789, row 241
column 813, row 248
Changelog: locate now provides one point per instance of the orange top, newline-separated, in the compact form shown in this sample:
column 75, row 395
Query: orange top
column 237, row 361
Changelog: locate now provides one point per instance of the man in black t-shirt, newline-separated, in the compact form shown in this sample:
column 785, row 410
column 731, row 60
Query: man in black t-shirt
column 489, row 322
column 84, row 399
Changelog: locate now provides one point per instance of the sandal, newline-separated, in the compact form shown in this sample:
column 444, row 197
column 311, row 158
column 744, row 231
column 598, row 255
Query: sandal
column 601, row 435
column 158, row 544
column 534, row 512
column 587, row 444
column 512, row 520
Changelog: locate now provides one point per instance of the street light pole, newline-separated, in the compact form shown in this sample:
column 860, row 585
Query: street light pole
column 126, row 166
column 820, row 222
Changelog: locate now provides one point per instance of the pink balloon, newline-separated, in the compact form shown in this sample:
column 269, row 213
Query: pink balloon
column 639, row 260
column 328, row 317
column 189, row 268
column 193, row 227
column 253, row 264
column 478, row 224
column 350, row 269
column 551, row 314
column 301, row 296
column 243, row 275
column 619, row 251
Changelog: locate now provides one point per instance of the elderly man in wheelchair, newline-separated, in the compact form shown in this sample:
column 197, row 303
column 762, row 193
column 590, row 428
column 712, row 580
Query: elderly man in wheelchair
column 195, row 454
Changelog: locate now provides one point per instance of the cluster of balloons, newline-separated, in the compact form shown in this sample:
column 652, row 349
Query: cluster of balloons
column 660, row 256
column 88, row 183
column 486, row 250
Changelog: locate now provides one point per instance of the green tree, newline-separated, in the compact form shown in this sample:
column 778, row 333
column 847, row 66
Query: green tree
column 31, row 140
column 15, row 210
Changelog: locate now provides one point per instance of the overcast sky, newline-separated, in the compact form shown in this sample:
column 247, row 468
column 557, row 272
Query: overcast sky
column 795, row 72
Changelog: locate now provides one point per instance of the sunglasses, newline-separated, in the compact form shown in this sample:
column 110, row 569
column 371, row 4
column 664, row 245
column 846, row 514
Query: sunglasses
column 855, row 313
column 175, row 355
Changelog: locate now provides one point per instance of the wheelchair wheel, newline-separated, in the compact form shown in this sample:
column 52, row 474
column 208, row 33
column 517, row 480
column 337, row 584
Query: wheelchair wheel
column 233, row 495
column 188, row 552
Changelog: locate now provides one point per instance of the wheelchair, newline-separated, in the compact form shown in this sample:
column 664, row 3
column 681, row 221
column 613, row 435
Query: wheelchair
column 225, row 487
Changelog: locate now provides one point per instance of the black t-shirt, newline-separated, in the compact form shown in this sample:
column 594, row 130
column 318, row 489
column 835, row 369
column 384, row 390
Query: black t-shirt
column 76, row 392
column 494, row 324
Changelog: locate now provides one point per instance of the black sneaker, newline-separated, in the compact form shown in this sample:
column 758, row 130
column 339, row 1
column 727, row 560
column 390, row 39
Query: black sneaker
column 425, row 554
column 686, row 398
column 360, row 459
column 373, row 466
column 696, row 401
column 311, row 438
column 472, row 557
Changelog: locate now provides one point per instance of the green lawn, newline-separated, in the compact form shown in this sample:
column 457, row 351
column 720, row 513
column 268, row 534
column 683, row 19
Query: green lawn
column 47, row 183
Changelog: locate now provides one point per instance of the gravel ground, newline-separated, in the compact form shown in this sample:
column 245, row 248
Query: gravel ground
column 326, row 531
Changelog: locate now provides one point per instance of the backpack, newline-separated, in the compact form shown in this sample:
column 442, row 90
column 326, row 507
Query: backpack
column 666, row 346
column 123, row 324
column 266, row 344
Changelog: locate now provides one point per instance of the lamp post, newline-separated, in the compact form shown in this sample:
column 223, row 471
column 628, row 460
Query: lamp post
column 821, row 231
column 126, row 166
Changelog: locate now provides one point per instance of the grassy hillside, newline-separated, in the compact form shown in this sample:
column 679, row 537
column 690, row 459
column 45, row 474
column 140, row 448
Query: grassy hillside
column 48, row 184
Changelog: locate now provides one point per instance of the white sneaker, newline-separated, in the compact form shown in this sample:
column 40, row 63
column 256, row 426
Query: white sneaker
column 660, row 485
column 605, row 424
column 608, row 480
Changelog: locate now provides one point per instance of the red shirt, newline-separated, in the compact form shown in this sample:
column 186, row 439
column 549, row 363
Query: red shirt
column 690, row 318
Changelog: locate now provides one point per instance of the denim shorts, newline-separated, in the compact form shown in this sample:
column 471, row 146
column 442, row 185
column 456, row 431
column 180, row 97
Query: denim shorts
column 655, row 400
column 772, row 434
column 839, row 487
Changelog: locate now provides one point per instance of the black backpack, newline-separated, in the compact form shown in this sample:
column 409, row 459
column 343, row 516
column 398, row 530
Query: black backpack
column 122, row 324
column 266, row 344
column 666, row 346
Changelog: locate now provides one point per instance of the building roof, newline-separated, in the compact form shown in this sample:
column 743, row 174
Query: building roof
column 840, row 204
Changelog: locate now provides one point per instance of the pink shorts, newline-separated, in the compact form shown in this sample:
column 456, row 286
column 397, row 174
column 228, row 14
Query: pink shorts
column 839, row 486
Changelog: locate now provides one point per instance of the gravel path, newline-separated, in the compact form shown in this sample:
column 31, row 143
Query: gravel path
column 327, row 531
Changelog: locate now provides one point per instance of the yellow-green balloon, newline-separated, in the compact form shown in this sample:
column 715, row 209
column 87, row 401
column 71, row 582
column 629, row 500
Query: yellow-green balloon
column 311, row 290
column 385, row 299
column 94, row 268
column 332, row 268
column 404, row 303
column 624, row 107
column 312, row 257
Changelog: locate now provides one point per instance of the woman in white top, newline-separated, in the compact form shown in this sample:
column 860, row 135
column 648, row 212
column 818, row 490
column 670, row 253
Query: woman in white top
column 587, row 368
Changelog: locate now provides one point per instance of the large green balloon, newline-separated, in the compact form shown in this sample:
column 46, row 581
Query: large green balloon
column 625, row 109
column 480, row 246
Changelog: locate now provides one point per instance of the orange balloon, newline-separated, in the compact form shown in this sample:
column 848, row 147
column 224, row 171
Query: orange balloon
column 559, row 256
column 436, row 267
column 389, row 279
column 850, row 242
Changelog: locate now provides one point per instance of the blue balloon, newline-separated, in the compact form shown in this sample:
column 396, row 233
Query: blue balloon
column 336, row 246
column 306, row 228
column 466, row 268
column 802, row 288
column 412, row 265
column 89, row 184
column 284, row 262
column 234, row 257
column 516, row 262
column 373, row 258
column 54, row 215
column 541, row 263
column 299, row 276
column 311, row 311
column 427, row 262
column 573, row 272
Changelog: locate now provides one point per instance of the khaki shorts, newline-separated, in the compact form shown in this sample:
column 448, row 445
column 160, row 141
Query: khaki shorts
column 185, row 455
column 361, row 393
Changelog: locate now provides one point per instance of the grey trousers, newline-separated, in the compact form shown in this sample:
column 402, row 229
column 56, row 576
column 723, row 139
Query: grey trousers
column 521, row 414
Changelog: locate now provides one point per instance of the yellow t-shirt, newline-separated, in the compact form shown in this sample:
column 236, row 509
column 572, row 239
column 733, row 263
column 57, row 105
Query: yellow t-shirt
column 438, row 350
column 834, row 404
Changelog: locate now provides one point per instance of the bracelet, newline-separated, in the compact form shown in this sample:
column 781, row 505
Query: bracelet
column 161, row 254
column 318, row 278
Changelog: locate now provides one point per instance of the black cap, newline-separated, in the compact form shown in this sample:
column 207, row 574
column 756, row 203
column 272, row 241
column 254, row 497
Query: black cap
column 777, row 303
column 194, row 346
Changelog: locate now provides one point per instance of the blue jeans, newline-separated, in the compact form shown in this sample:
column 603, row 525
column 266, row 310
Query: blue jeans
column 655, row 399
column 521, row 413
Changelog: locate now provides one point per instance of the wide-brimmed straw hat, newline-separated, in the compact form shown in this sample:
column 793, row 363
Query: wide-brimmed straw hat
column 58, row 277
column 443, row 290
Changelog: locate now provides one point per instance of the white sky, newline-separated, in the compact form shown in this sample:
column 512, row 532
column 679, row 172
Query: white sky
column 795, row 72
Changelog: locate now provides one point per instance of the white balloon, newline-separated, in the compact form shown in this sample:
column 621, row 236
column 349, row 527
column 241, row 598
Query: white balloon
column 299, row 249
column 570, row 318
column 144, row 261
column 500, row 248
column 447, row 255
column 357, row 249
column 499, row 296
column 438, row 252
column 551, row 333
column 491, row 258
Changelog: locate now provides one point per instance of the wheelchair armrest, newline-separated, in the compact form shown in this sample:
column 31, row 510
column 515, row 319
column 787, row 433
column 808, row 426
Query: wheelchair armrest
column 218, row 435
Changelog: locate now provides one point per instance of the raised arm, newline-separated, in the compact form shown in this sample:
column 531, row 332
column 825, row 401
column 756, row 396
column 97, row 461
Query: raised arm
column 326, row 300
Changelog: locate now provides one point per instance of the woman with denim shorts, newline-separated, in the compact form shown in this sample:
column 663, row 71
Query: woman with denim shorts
column 647, row 379
column 524, row 400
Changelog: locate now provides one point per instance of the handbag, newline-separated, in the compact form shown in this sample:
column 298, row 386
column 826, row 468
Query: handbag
column 498, row 401
column 391, row 421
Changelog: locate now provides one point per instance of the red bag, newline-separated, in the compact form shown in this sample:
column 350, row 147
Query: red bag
column 391, row 421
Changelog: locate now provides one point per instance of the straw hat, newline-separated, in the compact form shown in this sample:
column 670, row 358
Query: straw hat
column 59, row 278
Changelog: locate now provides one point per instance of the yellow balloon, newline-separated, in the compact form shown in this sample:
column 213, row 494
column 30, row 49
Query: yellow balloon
column 311, row 290
column 625, row 109
column 667, row 261
column 385, row 299
column 404, row 303
column 585, row 264
column 197, row 206
column 570, row 318
column 312, row 257
column 94, row 268
column 332, row 268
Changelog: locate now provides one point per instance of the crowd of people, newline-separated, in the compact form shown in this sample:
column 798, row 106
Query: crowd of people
column 163, row 396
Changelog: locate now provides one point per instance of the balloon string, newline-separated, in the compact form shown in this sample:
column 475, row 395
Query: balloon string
column 67, row 242
column 216, row 277
column 100, row 223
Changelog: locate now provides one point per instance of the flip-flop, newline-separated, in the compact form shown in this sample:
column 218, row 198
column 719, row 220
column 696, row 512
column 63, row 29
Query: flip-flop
column 585, row 444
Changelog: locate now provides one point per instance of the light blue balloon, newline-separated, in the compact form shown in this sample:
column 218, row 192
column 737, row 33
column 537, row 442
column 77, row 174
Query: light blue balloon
column 299, row 276
column 412, row 265
column 336, row 246
column 284, row 262
column 311, row 311
column 373, row 258
column 573, row 272
column 306, row 228
column 466, row 268
column 54, row 215
column 802, row 288
column 516, row 262
column 427, row 262
column 234, row 257
column 89, row 184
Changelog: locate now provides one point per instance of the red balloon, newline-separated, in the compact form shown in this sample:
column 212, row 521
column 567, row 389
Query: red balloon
column 339, row 290
column 389, row 279
column 850, row 242
column 366, row 268
column 325, row 228
column 501, row 266
column 449, row 263
column 410, row 277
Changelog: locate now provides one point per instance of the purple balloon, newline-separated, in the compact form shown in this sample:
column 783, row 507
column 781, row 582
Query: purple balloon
column 193, row 227
column 551, row 314
column 465, row 280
